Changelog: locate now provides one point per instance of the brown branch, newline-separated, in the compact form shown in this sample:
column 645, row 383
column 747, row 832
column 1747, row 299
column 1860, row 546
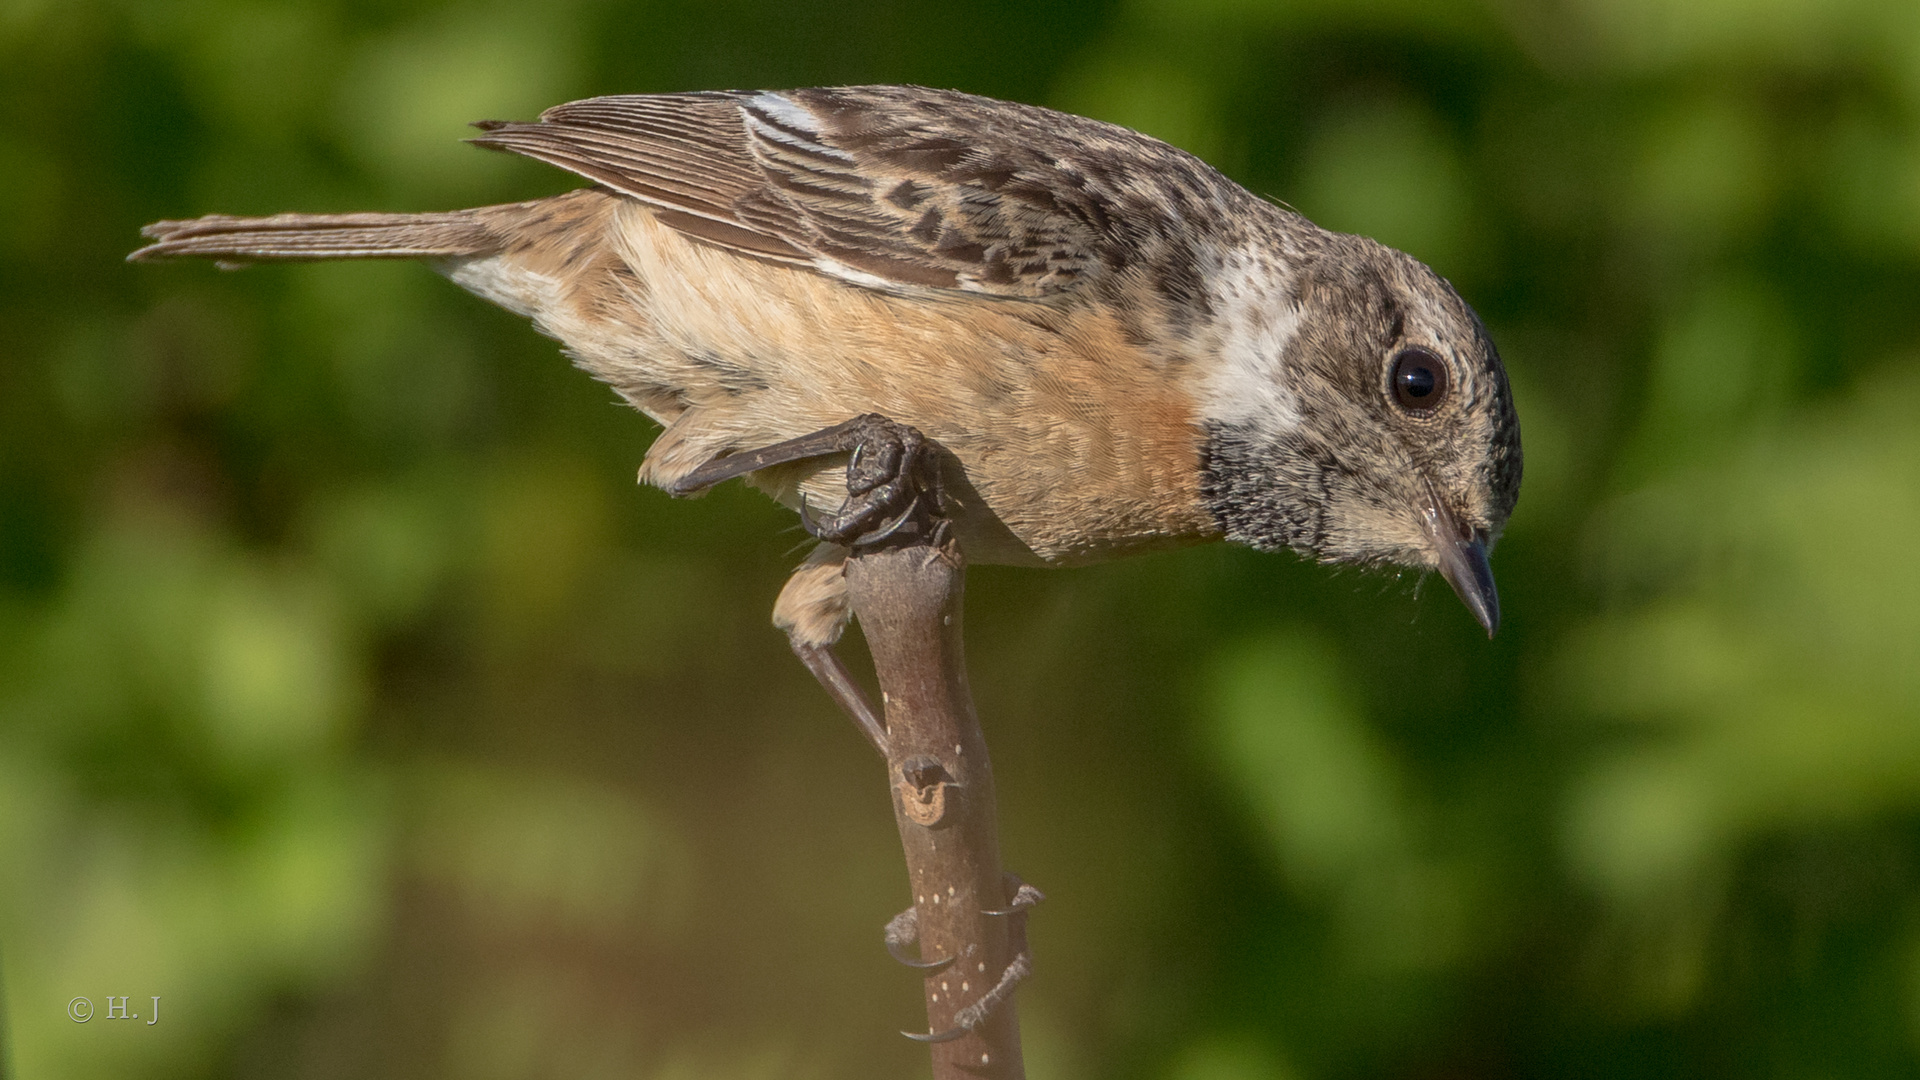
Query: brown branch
column 908, row 600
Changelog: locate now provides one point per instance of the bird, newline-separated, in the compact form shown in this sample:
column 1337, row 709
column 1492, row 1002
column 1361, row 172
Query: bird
column 1102, row 344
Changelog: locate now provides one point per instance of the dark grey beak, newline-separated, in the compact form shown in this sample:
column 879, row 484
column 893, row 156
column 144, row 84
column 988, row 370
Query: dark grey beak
column 1463, row 562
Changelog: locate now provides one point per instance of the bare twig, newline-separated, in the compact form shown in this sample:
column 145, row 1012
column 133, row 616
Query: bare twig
column 966, row 912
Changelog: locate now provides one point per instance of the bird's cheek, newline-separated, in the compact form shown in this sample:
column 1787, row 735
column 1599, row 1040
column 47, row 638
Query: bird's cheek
column 1377, row 526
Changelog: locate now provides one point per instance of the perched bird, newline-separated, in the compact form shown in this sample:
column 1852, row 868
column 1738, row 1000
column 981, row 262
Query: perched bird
column 1108, row 346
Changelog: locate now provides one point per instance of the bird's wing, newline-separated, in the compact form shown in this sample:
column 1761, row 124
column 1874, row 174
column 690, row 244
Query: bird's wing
column 888, row 186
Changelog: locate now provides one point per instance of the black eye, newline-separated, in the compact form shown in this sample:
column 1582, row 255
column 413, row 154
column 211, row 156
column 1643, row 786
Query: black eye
column 1419, row 380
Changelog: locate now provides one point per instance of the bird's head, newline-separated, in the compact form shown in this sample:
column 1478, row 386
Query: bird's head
column 1362, row 416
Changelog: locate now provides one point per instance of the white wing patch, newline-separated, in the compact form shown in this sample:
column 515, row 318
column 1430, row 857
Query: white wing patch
column 779, row 119
column 862, row 278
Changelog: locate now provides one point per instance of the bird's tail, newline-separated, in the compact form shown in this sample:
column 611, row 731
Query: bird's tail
column 294, row 237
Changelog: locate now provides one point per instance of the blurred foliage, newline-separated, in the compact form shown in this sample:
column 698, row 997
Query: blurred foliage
column 354, row 702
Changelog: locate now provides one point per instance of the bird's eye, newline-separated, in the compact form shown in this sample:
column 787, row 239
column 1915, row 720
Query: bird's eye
column 1419, row 380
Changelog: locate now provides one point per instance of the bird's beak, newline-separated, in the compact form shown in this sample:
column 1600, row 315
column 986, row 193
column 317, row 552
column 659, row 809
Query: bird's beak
column 1463, row 562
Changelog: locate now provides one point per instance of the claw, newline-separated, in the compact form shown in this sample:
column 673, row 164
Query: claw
column 808, row 522
column 903, row 930
column 936, row 1036
column 855, row 460
column 891, row 527
column 928, row 966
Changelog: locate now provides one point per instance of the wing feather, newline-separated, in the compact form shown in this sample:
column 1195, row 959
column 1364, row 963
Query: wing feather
column 893, row 186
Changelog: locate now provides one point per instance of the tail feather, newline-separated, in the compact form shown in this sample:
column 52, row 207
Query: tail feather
column 293, row 237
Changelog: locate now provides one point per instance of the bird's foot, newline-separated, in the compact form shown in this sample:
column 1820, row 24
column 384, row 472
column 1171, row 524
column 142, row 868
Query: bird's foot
column 892, row 480
column 1020, row 967
column 891, row 486
column 970, row 1018
column 904, row 930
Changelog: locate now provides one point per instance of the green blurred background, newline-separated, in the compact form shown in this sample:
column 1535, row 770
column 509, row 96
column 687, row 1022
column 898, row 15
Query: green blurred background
column 355, row 702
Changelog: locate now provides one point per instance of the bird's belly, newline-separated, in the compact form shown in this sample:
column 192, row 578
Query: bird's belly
column 1065, row 446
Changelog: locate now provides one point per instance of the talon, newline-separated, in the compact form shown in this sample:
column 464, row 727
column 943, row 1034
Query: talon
column 887, row 530
column 811, row 524
column 853, row 525
column 928, row 966
column 936, row 1036
column 903, row 930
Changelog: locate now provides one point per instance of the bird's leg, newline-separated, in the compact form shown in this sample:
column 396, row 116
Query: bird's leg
column 893, row 491
column 832, row 673
column 892, row 481
column 1020, row 967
